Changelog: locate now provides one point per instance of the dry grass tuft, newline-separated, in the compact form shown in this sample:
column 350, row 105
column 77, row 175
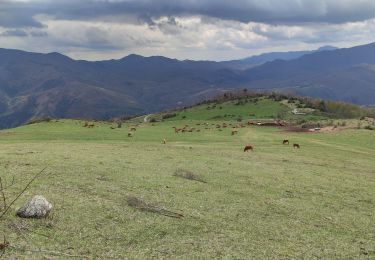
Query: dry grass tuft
column 188, row 175
column 140, row 204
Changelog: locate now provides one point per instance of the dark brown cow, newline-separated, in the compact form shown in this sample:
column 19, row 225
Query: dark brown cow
column 296, row 146
column 286, row 141
column 248, row 148
column 89, row 125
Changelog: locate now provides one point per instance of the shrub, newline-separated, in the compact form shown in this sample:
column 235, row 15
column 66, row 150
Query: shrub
column 39, row 120
column 168, row 115
column 187, row 175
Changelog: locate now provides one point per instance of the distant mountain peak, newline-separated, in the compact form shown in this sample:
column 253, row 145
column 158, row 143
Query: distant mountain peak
column 58, row 55
column 327, row 48
column 132, row 57
column 33, row 84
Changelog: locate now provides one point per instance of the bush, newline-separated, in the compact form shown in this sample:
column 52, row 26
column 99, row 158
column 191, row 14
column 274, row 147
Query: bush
column 168, row 115
column 39, row 120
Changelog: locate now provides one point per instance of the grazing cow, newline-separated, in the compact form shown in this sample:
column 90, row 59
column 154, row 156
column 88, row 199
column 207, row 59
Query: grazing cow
column 286, row 141
column 164, row 141
column 248, row 148
column 89, row 125
column 296, row 146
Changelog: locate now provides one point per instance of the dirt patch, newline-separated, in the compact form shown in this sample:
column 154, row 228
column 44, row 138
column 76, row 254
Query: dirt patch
column 185, row 174
column 7, row 133
column 329, row 129
column 141, row 205
column 326, row 129
column 296, row 129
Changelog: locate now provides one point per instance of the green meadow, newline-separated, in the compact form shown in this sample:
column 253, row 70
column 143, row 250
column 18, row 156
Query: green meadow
column 275, row 202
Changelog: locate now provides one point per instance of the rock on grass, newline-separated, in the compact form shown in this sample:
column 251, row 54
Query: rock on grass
column 36, row 207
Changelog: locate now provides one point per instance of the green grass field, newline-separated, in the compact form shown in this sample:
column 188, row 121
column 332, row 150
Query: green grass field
column 273, row 203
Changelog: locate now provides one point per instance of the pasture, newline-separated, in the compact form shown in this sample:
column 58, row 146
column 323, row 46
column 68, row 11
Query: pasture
column 275, row 202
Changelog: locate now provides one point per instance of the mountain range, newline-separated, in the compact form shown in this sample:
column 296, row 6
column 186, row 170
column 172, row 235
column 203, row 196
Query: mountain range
column 34, row 85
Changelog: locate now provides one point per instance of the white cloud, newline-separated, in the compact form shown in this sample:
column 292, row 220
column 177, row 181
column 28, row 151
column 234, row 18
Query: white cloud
column 204, row 29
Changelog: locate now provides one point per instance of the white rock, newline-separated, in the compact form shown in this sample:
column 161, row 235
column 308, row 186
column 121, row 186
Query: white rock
column 36, row 207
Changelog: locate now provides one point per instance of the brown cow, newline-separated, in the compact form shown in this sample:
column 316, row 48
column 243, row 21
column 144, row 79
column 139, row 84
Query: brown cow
column 247, row 148
column 286, row 141
column 89, row 125
column 296, row 146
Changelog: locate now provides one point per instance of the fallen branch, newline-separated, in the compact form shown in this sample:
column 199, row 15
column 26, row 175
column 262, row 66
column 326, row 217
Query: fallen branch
column 144, row 206
column 188, row 175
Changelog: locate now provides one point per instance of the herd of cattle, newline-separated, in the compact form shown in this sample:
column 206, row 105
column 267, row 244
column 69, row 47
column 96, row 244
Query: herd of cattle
column 207, row 126
column 221, row 126
column 234, row 130
column 251, row 148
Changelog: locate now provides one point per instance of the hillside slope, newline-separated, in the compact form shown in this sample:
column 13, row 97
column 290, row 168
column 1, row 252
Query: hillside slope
column 274, row 202
column 36, row 85
column 39, row 85
column 343, row 74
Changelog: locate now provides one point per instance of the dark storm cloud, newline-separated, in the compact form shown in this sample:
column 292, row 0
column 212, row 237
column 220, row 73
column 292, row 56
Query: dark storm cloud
column 268, row 11
column 198, row 29
column 15, row 17
column 22, row 14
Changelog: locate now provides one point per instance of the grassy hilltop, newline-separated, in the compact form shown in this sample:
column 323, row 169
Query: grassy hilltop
column 275, row 202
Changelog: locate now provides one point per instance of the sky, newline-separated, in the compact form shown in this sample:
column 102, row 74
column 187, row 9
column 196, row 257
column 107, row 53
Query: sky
column 183, row 29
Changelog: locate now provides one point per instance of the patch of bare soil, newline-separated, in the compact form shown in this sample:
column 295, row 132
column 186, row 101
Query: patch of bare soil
column 7, row 133
column 326, row 129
